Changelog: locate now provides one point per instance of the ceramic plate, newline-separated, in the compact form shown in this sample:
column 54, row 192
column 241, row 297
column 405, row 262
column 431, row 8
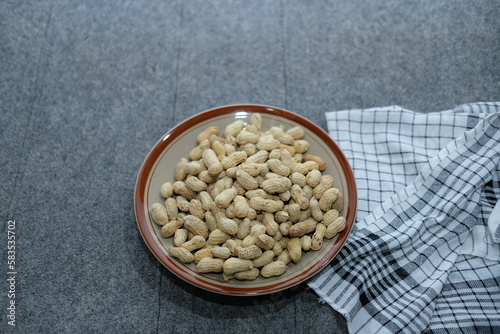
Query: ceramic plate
column 159, row 167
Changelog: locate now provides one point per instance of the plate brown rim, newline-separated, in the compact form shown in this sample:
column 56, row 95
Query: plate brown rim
column 173, row 266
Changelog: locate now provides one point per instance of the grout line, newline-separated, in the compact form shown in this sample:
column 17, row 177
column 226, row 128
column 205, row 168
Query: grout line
column 172, row 120
column 36, row 98
column 178, row 57
column 285, row 49
column 159, row 301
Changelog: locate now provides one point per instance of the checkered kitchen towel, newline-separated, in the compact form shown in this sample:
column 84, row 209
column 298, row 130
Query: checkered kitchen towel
column 424, row 255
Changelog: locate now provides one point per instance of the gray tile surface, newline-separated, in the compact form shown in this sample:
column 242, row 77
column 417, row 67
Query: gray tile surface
column 86, row 89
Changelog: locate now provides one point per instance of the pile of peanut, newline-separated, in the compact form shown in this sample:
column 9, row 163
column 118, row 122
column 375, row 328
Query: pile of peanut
column 248, row 202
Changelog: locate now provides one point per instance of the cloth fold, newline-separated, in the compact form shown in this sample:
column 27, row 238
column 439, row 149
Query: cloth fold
column 424, row 254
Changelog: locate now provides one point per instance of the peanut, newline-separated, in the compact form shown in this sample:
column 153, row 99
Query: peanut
column 229, row 149
column 217, row 237
column 180, row 217
column 181, row 189
column 221, row 185
column 159, row 214
column 271, row 225
column 211, row 221
column 290, row 150
column 196, row 152
column 275, row 268
column 244, row 228
column 227, row 225
column 303, row 227
column 239, row 188
column 293, row 212
column 249, row 149
column 251, row 252
column 304, row 168
column 321, row 163
column 267, row 205
column 180, row 170
column 277, row 249
column 281, row 216
column 247, row 275
column 233, row 265
column 225, row 197
column 300, row 146
column 317, row 238
column 308, row 191
column 210, row 265
column 296, row 132
column 251, row 168
column 304, row 214
column 313, row 178
column 339, row 203
column 169, row 228
column 326, row 182
column 255, row 231
column 241, row 207
column 233, row 246
column 259, row 157
column 286, row 157
column 219, row 150
column 298, row 179
column 246, row 137
column 233, row 159
column 326, row 201
column 182, row 204
column 172, row 209
column 297, row 157
column 275, row 154
column 256, row 119
column 276, row 184
column 221, row 252
column 213, row 138
column 211, row 130
column 196, row 209
column 267, row 143
column 230, row 211
column 315, row 210
column 195, row 243
column 283, row 137
column 337, row 226
column 285, row 196
column 265, row 241
column 180, row 236
column 181, row 254
column 299, row 197
column 196, row 226
column 234, row 128
column 294, row 248
column 194, row 168
column 246, row 180
column 205, row 200
column 202, row 253
column 305, row 242
column 284, row 257
column 166, row 190
column 212, row 162
column 278, row 167
column 264, row 259
column 227, row 277
column 285, row 228
column 330, row 216
column 218, row 212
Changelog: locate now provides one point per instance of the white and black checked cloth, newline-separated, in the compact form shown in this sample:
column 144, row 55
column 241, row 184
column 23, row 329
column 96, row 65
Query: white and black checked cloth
column 424, row 256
